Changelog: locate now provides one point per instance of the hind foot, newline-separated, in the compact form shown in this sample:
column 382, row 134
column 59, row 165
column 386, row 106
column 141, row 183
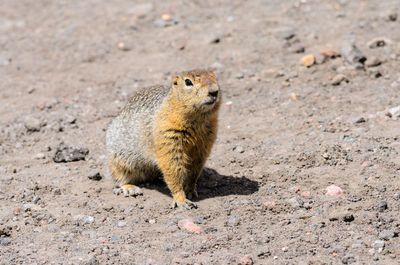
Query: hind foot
column 128, row 190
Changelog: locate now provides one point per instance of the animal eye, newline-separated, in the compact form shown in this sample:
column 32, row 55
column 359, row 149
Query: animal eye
column 188, row 82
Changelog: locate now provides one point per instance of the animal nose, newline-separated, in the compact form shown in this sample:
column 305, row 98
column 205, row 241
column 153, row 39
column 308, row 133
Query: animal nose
column 213, row 94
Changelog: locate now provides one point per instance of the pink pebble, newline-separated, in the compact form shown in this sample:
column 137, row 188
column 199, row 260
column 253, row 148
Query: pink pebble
column 246, row 260
column 306, row 193
column 188, row 225
column 334, row 190
column 269, row 204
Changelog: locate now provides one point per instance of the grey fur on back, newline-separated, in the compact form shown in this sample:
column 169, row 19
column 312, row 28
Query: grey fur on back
column 129, row 135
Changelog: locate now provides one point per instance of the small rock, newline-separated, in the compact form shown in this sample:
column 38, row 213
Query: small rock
column 392, row 16
column 353, row 55
column 68, row 153
column 5, row 59
column 215, row 38
column 32, row 124
column 334, row 190
column 57, row 191
column 381, row 206
column 246, row 260
column 306, row 193
column 339, row 78
column 233, row 221
column 40, row 156
column 152, row 221
column 5, row 241
column 373, row 61
column 358, row 120
column 116, row 239
column 88, row 220
column 95, row 176
column 285, row 33
column 394, row 113
column 338, row 215
column 330, row 53
column 239, row 75
column 188, row 225
column 373, row 72
column 378, row 244
column 239, row 149
column 268, row 205
column 166, row 21
column 297, row 49
column 386, row 235
column 378, row 42
column 124, row 46
column 70, row 119
column 36, row 199
column 308, row 60
column 140, row 10
column 121, row 223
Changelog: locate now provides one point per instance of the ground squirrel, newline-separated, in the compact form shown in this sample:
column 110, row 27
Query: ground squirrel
column 168, row 131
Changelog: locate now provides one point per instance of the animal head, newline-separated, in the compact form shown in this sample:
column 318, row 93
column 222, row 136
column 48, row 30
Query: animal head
column 198, row 89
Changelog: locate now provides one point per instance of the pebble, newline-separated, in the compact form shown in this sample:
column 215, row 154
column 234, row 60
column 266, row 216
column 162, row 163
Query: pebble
column 121, row 223
column 386, row 234
column 5, row 59
column 392, row 16
column 36, row 199
column 378, row 244
column 285, row 33
column 306, row 194
column 297, row 49
column 68, row 153
column 308, row 60
column 339, row 215
column 268, row 205
column 394, row 113
column 338, row 79
column 32, row 124
column 5, row 241
column 88, row 220
column 124, row 47
column 189, row 226
column 152, row 221
column 358, row 120
column 378, row 42
column 381, row 206
column 140, row 10
column 233, row 221
column 330, row 53
column 353, row 55
column 373, row 61
column 57, row 191
column 246, row 260
column 95, row 176
column 116, row 239
column 239, row 149
column 40, row 156
column 334, row 190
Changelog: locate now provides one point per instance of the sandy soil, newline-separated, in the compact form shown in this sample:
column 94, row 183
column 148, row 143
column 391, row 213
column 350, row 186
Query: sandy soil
column 286, row 132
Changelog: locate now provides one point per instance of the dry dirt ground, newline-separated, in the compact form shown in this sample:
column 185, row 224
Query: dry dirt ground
column 286, row 131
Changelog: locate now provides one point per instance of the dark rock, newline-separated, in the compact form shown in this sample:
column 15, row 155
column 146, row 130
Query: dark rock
column 392, row 16
column 353, row 55
column 359, row 120
column 69, row 153
column 95, row 176
column 381, row 206
column 337, row 215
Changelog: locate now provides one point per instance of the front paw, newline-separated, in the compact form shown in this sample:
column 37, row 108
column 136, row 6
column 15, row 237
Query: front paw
column 186, row 204
column 192, row 195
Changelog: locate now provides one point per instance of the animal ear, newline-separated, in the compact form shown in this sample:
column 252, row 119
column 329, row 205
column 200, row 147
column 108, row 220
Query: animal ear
column 175, row 81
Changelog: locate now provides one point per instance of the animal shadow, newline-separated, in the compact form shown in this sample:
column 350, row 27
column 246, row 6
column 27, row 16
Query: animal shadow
column 212, row 184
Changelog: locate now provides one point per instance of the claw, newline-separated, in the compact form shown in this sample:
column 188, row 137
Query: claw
column 128, row 190
column 186, row 204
